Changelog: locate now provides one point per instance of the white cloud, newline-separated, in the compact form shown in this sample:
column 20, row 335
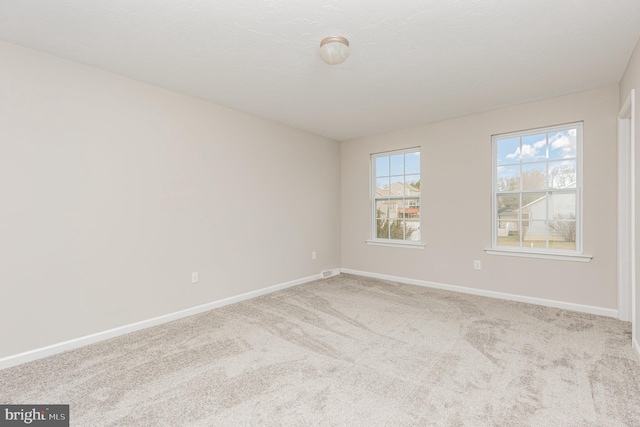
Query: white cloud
column 528, row 152
column 540, row 144
column 514, row 155
column 565, row 142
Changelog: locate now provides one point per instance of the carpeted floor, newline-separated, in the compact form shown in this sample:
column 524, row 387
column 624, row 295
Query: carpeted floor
column 350, row 351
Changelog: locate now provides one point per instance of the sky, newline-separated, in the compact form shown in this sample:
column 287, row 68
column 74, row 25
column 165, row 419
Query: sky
column 554, row 150
column 397, row 168
column 561, row 145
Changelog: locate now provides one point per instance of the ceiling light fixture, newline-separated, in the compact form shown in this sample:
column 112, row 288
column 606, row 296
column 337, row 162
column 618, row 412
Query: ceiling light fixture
column 334, row 50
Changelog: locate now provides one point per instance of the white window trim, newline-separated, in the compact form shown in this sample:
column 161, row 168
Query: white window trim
column 569, row 256
column 407, row 244
column 540, row 253
column 396, row 244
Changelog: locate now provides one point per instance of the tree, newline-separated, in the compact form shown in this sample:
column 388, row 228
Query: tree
column 533, row 179
column 565, row 229
column 562, row 176
column 398, row 230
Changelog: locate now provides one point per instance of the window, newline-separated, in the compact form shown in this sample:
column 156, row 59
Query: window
column 536, row 190
column 396, row 196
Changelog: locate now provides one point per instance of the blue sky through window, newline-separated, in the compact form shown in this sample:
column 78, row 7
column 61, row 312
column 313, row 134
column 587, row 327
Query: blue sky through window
column 557, row 145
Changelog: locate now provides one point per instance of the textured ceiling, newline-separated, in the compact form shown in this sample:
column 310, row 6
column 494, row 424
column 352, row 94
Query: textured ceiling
column 411, row 61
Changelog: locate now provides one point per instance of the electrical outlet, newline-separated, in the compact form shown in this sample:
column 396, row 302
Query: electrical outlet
column 194, row 277
column 314, row 255
column 476, row 264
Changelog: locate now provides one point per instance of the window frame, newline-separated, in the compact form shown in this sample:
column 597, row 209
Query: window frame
column 374, row 240
column 549, row 253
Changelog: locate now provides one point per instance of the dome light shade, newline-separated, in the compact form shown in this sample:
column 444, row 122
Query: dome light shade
column 334, row 50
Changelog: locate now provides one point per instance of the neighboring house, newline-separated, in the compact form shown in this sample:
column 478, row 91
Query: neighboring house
column 534, row 215
column 409, row 208
column 394, row 208
column 508, row 222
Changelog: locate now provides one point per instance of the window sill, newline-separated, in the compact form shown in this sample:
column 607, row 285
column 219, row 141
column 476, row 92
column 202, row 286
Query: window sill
column 399, row 244
column 541, row 255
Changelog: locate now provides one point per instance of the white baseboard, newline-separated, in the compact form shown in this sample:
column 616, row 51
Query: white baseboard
column 609, row 312
column 39, row 353
column 636, row 346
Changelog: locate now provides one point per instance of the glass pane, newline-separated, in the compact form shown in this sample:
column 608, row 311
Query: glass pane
column 562, row 145
column 534, row 234
column 411, row 209
column 397, row 229
column 382, row 209
column 412, row 187
column 382, row 187
column 397, row 164
column 412, row 163
column 534, row 148
column 413, row 230
column 562, row 174
column 397, row 186
column 508, row 207
column 534, row 176
column 382, row 166
column 508, row 233
column 382, row 227
column 394, row 208
column 534, row 205
column 508, row 178
column 508, row 150
column 562, row 235
column 562, row 206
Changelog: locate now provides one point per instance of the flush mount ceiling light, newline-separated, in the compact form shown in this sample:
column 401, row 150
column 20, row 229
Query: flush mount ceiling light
column 334, row 50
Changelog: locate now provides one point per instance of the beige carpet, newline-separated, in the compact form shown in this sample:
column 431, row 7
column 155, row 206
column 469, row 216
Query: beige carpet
column 350, row 351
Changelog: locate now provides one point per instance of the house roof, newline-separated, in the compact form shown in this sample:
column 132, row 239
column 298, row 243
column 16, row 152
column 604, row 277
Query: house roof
column 570, row 185
column 397, row 189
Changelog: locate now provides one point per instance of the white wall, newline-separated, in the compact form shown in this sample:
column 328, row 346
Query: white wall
column 113, row 191
column 456, row 203
column 631, row 80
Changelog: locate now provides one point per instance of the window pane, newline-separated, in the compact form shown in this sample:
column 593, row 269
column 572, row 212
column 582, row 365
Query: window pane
column 395, row 206
column 382, row 231
column 508, row 150
column 562, row 235
column 382, row 187
column 397, row 164
column 535, row 205
column 508, row 178
column 535, row 188
column 397, row 186
column 534, row 235
column 534, row 148
column 412, row 163
column 382, row 209
column 534, row 176
column 411, row 209
column 508, row 233
column 412, row 187
column 562, row 145
column 413, row 230
column 562, row 174
column 507, row 207
column 397, row 229
column 562, row 206
column 382, row 166
column 397, row 196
